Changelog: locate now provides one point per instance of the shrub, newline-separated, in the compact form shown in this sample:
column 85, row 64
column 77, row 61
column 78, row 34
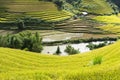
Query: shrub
column 26, row 49
column 97, row 60
column 70, row 50
column 37, row 48
column 92, row 46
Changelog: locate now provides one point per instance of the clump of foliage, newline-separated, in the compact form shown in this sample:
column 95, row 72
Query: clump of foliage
column 92, row 46
column 97, row 60
column 23, row 40
column 70, row 50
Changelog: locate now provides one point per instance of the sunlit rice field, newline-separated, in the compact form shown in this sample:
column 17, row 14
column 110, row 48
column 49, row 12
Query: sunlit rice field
column 108, row 19
column 111, row 28
column 22, row 65
column 112, row 23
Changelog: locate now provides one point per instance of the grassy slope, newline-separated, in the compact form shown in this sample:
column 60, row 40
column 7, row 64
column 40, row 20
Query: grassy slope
column 47, row 10
column 112, row 23
column 22, row 65
column 32, row 8
column 96, row 6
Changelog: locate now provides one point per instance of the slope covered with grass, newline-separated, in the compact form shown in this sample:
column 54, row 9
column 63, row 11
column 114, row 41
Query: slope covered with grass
column 11, row 10
column 112, row 28
column 48, row 11
column 96, row 6
column 111, row 23
column 22, row 65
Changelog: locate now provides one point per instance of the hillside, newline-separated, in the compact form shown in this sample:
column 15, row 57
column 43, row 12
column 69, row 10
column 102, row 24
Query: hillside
column 96, row 7
column 58, row 22
column 22, row 65
column 12, row 10
column 111, row 23
column 100, row 7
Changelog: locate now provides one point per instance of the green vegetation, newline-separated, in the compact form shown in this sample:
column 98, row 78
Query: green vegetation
column 92, row 46
column 58, row 52
column 97, row 60
column 81, row 40
column 24, row 41
column 70, row 50
column 22, row 65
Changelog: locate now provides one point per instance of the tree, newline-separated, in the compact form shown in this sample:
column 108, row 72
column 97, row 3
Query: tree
column 23, row 40
column 58, row 52
column 20, row 24
column 37, row 43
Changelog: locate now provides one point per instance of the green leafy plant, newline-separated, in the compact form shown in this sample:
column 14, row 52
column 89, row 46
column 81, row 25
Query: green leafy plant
column 70, row 50
column 97, row 60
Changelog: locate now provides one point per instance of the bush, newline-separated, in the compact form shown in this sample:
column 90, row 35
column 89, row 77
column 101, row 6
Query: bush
column 97, row 60
column 92, row 46
column 26, row 49
column 70, row 50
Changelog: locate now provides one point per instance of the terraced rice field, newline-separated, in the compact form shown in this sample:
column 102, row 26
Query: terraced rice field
column 27, row 5
column 46, row 11
column 50, row 16
column 22, row 65
column 79, row 26
column 112, row 23
column 112, row 28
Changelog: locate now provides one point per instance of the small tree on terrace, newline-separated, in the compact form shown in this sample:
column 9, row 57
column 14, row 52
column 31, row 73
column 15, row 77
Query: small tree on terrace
column 58, row 52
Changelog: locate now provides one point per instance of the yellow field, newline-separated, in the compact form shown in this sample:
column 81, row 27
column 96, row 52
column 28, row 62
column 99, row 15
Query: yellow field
column 112, row 23
column 108, row 19
column 22, row 65
column 28, row 5
column 111, row 28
